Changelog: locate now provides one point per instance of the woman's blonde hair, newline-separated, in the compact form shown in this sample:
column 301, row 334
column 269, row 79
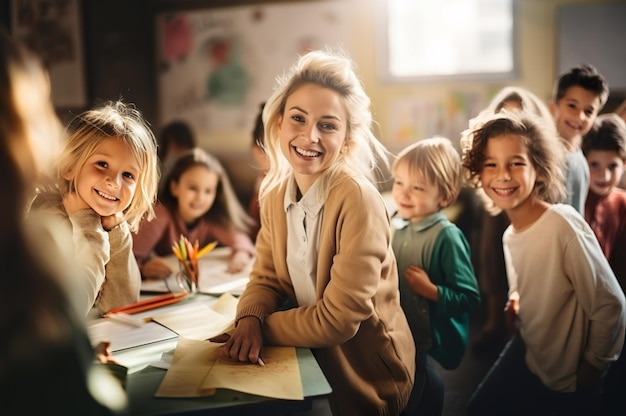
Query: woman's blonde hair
column 438, row 162
column 364, row 154
column 113, row 120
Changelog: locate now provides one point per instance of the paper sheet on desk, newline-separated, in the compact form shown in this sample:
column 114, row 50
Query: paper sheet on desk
column 199, row 321
column 198, row 369
column 195, row 319
column 213, row 279
column 122, row 336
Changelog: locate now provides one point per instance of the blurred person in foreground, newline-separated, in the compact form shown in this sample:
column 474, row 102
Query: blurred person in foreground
column 46, row 360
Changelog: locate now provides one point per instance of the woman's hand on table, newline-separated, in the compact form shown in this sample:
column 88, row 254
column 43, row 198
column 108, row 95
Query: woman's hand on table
column 245, row 342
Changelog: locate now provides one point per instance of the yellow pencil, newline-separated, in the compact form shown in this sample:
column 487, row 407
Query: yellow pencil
column 206, row 249
column 177, row 253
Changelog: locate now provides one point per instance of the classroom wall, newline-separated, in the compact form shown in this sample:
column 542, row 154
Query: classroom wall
column 537, row 51
column 537, row 68
column 120, row 62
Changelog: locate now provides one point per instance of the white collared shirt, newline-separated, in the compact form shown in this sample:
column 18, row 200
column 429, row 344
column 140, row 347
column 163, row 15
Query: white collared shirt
column 304, row 219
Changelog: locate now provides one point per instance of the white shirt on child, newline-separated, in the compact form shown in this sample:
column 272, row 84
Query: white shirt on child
column 570, row 303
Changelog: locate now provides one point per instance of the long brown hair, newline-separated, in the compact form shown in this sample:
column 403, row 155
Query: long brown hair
column 226, row 209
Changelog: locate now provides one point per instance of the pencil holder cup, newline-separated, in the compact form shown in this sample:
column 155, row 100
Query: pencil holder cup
column 184, row 280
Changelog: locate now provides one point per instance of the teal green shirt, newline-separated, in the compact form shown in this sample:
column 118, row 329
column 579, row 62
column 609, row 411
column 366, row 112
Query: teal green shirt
column 439, row 247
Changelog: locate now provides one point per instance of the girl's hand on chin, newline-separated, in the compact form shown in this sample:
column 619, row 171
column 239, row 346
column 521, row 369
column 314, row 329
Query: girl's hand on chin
column 108, row 223
column 74, row 203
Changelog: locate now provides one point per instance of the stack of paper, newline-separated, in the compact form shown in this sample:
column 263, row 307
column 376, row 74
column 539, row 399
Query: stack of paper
column 200, row 321
column 198, row 368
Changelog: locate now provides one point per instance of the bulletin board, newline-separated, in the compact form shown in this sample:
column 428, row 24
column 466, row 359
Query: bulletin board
column 215, row 66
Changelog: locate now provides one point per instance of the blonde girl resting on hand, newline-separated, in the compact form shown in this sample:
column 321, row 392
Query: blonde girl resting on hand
column 197, row 201
column 106, row 182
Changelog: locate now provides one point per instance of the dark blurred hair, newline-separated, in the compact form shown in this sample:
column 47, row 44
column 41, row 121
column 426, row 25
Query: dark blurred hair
column 177, row 132
column 258, row 133
column 608, row 133
column 585, row 76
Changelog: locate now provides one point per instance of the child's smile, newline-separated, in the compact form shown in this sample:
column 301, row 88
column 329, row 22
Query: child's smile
column 605, row 170
column 108, row 180
column 195, row 190
column 105, row 196
column 507, row 176
column 504, row 191
column 414, row 196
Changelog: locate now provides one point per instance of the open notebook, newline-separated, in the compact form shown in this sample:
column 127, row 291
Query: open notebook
column 213, row 279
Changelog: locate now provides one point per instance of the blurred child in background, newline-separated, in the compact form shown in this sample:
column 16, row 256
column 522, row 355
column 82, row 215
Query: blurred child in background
column 262, row 165
column 176, row 138
column 604, row 147
column 438, row 288
column 106, row 182
column 46, row 359
column 579, row 94
column 621, row 111
column 199, row 202
column 565, row 305
column 605, row 209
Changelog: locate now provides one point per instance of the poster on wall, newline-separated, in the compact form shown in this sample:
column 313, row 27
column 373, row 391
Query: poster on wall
column 52, row 30
column 216, row 66
column 415, row 118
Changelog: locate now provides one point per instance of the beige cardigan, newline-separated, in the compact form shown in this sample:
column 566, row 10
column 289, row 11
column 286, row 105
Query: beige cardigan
column 357, row 329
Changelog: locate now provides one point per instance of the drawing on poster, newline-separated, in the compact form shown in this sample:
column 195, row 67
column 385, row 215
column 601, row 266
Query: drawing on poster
column 217, row 65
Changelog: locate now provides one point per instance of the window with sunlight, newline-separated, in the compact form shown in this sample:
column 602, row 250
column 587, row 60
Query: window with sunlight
column 461, row 39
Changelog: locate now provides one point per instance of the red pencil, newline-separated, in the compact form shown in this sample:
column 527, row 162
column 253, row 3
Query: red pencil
column 148, row 304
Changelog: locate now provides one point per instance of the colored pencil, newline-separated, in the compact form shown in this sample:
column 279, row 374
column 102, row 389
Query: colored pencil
column 148, row 304
column 206, row 249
